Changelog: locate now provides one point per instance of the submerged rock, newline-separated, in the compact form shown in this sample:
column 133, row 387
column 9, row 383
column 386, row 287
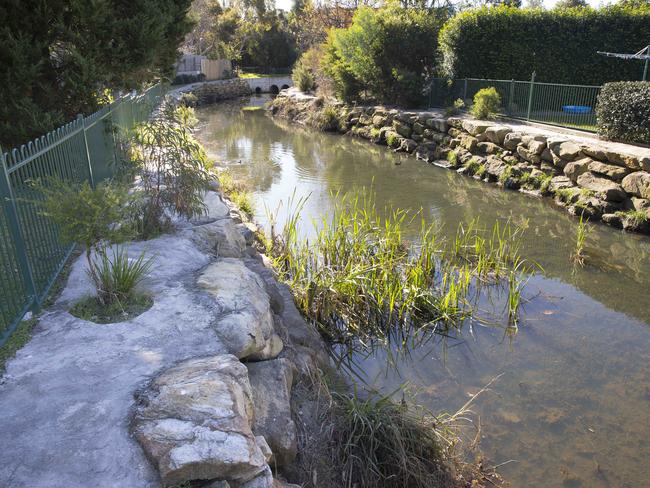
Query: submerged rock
column 194, row 422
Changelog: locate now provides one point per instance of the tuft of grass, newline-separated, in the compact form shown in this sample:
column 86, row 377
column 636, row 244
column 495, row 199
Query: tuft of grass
column 452, row 157
column 93, row 310
column 392, row 139
column 584, row 229
column 116, row 277
column 237, row 192
column 635, row 217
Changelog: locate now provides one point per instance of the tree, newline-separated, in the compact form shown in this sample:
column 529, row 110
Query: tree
column 58, row 56
column 571, row 4
column 534, row 4
column 388, row 53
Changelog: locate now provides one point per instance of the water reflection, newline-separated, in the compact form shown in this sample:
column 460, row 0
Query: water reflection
column 572, row 406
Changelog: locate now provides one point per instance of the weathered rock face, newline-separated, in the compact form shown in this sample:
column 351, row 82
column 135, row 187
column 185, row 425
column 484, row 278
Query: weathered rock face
column 611, row 191
column 194, row 422
column 245, row 322
column 221, row 237
column 576, row 168
column 271, row 383
column 215, row 209
column 637, row 184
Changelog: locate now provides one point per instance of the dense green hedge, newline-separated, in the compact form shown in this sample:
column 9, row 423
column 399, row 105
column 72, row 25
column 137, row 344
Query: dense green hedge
column 623, row 111
column 560, row 45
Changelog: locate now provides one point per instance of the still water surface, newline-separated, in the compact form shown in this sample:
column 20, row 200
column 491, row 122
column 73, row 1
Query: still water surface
column 572, row 407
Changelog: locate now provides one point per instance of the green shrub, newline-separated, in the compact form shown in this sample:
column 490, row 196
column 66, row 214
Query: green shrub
column 455, row 109
column 303, row 76
column 559, row 45
column 328, row 119
column 386, row 54
column 117, row 276
column 623, row 111
column 487, row 102
column 172, row 169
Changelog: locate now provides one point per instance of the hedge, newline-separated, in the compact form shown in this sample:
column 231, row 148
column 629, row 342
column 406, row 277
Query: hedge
column 623, row 111
column 560, row 45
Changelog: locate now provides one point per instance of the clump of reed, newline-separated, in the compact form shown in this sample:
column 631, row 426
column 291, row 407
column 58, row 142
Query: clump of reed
column 237, row 192
column 578, row 256
column 362, row 283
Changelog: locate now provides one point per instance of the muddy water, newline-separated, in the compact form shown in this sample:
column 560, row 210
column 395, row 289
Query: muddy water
column 572, row 405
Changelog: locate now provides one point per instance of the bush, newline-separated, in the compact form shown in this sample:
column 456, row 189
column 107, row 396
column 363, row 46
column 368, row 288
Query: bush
column 559, row 45
column 303, row 76
column 487, row 102
column 623, row 111
column 173, row 172
column 117, row 276
column 386, row 54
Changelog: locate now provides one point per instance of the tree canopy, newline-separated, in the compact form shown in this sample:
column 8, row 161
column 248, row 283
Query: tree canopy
column 59, row 56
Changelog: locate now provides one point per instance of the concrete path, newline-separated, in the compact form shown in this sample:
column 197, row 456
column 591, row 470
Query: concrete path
column 66, row 398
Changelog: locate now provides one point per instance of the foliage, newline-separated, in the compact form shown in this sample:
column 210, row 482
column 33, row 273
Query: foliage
column 455, row 109
column 386, row 53
column 380, row 442
column 116, row 277
column 487, row 102
column 623, row 111
column 571, row 4
column 328, row 119
column 362, row 284
column 173, row 173
column 236, row 191
column 509, row 43
column 303, row 76
column 58, row 57
column 584, row 229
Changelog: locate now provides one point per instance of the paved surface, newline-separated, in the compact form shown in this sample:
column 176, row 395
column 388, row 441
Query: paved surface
column 66, row 398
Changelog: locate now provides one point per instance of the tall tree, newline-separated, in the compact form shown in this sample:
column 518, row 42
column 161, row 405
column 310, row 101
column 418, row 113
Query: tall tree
column 58, row 56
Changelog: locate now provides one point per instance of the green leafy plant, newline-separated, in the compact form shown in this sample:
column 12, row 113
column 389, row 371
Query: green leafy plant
column 328, row 119
column 117, row 276
column 487, row 103
column 584, row 229
column 173, row 172
column 623, row 111
column 303, row 77
column 455, row 109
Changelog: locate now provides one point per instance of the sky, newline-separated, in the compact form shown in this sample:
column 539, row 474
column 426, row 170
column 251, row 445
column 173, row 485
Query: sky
column 287, row 4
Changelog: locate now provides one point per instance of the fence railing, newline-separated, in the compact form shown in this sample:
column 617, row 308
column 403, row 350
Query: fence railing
column 87, row 149
column 572, row 106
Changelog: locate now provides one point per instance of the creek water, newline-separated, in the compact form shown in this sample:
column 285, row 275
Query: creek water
column 572, row 405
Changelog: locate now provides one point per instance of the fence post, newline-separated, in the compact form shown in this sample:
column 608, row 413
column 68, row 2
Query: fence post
column 465, row 90
column 82, row 121
column 9, row 204
column 511, row 96
column 530, row 95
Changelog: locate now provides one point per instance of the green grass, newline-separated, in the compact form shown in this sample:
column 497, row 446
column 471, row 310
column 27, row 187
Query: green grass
column 237, row 192
column 257, row 75
column 579, row 256
column 636, row 217
column 363, row 284
column 91, row 309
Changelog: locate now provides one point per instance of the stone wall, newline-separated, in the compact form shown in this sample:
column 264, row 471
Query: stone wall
column 214, row 91
column 586, row 179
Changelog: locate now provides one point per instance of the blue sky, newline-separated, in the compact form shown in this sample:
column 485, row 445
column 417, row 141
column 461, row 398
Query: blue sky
column 287, row 4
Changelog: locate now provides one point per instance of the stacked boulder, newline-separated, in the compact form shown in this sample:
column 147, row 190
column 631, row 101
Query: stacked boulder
column 227, row 419
column 586, row 179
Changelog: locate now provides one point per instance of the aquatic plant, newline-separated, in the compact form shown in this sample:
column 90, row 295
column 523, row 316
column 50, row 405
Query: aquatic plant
column 362, row 283
column 236, row 191
column 578, row 256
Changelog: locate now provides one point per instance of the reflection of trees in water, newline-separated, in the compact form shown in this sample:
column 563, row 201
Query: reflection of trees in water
column 617, row 276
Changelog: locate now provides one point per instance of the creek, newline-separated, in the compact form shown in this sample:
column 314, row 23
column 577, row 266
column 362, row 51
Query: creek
column 571, row 403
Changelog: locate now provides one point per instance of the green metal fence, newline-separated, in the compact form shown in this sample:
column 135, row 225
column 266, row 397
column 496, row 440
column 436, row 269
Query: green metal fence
column 87, row 149
column 572, row 106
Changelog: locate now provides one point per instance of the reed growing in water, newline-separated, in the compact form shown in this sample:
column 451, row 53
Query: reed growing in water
column 362, row 283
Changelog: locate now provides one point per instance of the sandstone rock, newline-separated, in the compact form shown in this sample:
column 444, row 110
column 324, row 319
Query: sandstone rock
column 454, row 132
column 425, row 153
column 402, row 129
column 495, row 166
column 475, row 127
column 614, row 172
column 418, row 128
column 468, row 142
column 512, row 140
column 263, row 480
column 407, row 145
column 245, row 323
column 271, row 383
column 528, row 155
column 627, row 160
column 595, row 152
column 438, row 124
column 497, row 134
column 610, row 191
column 567, row 151
column 637, row 184
column 536, row 147
column 221, row 237
column 576, row 168
column 635, row 203
column 193, row 422
column 546, row 155
column 560, row 183
column 456, row 122
column 487, row 148
column 378, row 121
column 613, row 219
column 215, row 209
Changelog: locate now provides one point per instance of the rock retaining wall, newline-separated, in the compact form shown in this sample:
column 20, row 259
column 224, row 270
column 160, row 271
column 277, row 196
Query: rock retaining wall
column 586, row 179
column 214, row 91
